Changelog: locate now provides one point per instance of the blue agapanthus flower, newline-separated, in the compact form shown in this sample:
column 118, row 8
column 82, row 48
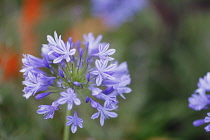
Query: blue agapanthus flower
column 200, row 100
column 76, row 73
column 116, row 12
column 74, row 121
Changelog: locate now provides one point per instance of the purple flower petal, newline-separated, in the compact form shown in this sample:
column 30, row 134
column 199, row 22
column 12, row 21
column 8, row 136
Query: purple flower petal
column 42, row 95
column 197, row 123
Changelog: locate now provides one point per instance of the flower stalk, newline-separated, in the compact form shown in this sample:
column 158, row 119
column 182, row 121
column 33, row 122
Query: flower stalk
column 66, row 133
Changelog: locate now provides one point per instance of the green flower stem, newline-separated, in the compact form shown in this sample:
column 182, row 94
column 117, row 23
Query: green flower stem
column 66, row 128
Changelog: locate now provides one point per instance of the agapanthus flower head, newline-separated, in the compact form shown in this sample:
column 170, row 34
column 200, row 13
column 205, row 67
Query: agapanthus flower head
column 116, row 12
column 200, row 100
column 81, row 72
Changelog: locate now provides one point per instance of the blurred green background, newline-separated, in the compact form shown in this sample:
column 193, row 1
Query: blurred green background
column 166, row 46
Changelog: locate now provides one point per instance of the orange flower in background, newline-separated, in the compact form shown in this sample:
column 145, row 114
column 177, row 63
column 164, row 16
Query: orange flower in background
column 9, row 64
column 9, row 58
column 30, row 15
column 31, row 11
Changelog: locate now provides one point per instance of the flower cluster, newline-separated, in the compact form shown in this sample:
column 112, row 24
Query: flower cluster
column 76, row 73
column 200, row 100
column 116, row 12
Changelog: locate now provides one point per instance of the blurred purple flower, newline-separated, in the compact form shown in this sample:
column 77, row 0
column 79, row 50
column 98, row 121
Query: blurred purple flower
column 200, row 100
column 116, row 12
